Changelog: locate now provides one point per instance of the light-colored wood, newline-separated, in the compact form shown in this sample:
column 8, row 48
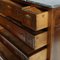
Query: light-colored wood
column 40, row 40
column 40, row 55
column 28, row 38
column 32, row 9
column 30, row 16
column 41, row 20
column 35, row 19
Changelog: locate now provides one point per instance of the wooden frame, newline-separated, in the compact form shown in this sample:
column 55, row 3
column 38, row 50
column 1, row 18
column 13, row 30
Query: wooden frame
column 53, row 31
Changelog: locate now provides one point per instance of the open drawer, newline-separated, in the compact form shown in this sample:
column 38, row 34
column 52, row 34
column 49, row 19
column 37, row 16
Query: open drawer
column 35, row 41
column 35, row 18
column 22, row 50
column 30, row 16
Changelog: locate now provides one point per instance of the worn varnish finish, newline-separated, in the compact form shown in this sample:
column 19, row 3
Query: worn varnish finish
column 9, row 40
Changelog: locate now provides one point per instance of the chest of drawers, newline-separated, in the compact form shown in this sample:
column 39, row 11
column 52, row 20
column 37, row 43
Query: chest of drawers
column 29, row 31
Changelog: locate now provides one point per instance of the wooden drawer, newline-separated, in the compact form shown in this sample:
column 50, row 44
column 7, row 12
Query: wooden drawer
column 30, row 16
column 35, row 18
column 6, row 54
column 24, row 51
column 34, row 41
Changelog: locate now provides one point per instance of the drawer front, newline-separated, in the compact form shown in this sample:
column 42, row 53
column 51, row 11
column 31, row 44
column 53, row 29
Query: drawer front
column 11, row 47
column 29, row 19
column 57, row 17
column 4, row 53
column 20, row 33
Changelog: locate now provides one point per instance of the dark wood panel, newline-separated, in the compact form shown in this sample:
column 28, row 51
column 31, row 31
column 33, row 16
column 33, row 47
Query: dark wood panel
column 6, row 54
column 24, row 16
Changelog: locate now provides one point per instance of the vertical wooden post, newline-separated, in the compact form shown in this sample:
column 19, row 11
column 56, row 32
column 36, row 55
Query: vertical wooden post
column 54, row 34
